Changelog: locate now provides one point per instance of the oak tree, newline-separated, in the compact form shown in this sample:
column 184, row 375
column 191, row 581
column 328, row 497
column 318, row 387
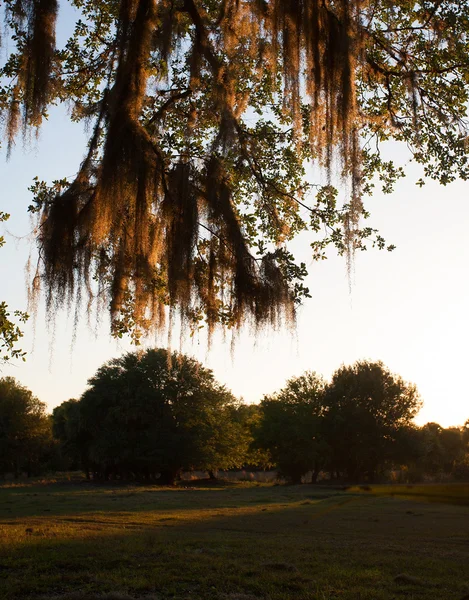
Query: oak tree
column 205, row 116
column 367, row 412
column 150, row 414
column 25, row 429
column 290, row 428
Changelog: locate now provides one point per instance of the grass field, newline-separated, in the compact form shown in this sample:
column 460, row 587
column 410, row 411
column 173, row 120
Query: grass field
column 450, row 493
column 230, row 542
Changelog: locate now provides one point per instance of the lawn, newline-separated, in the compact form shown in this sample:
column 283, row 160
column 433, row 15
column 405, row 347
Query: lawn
column 228, row 542
column 450, row 493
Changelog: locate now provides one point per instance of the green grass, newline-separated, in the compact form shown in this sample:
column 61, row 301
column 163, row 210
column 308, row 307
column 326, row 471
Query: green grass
column 452, row 493
column 233, row 542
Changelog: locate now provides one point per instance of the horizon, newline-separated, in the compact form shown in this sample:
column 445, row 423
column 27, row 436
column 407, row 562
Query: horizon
column 406, row 308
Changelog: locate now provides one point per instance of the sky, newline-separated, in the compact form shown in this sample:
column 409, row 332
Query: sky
column 408, row 308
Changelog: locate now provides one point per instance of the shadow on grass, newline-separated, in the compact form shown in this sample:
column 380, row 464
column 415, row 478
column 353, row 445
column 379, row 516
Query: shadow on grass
column 346, row 547
column 65, row 500
column 454, row 493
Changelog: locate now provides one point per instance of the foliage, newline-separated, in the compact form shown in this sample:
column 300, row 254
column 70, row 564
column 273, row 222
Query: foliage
column 224, row 437
column 73, row 439
column 206, row 116
column 153, row 413
column 355, row 427
column 443, row 448
column 409, row 452
column 25, row 429
column 366, row 408
column 255, row 457
column 290, row 427
column 10, row 333
column 461, row 469
column 453, row 447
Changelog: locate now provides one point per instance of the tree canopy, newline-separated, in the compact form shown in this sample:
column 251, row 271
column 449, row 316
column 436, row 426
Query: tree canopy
column 290, row 428
column 25, row 430
column 367, row 409
column 205, row 115
column 152, row 414
column 354, row 427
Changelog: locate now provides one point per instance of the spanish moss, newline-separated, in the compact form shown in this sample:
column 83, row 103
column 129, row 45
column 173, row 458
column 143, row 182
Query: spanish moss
column 180, row 202
column 35, row 21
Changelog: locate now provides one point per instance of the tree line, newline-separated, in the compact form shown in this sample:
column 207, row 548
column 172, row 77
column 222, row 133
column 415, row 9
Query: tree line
column 153, row 415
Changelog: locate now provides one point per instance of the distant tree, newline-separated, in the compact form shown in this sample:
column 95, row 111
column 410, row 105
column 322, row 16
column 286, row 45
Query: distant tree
column 224, row 438
column 68, row 429
column 452, row 443
column 25, row 429
column 150, row 413
column 290, row 427
column 444, row 448
column 465, row 435
column 410, row 446
column 432, row 460
column 461, row 469
column 366, row 408
column 255, row 457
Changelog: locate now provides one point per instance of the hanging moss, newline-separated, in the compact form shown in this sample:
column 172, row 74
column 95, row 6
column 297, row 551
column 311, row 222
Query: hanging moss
column 36, row 20
column 157, row 229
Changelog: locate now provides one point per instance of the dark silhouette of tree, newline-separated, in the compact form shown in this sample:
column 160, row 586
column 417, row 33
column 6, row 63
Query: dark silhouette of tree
column 290, row 428
column 151, row 414
column 453, row 447
column 465, row 435
column 409, row 451
column 25, row 429
column 205, row 115
column 432, row 461
column 366, row 410
column 444, row 448
column 251, row 416
column 68, row 429
column 461, row 467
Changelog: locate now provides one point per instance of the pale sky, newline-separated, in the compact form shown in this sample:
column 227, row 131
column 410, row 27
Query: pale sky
column 408, row 308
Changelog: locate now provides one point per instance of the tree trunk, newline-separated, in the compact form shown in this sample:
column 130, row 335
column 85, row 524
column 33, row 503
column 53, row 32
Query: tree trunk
column 295, row 479
column 168, row 476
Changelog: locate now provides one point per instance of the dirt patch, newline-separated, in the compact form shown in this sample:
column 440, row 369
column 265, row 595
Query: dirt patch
column 404, row 579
